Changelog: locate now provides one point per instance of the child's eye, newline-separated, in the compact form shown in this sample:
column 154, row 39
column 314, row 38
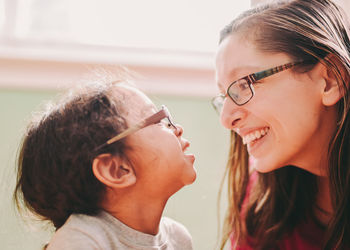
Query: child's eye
column 166, row 124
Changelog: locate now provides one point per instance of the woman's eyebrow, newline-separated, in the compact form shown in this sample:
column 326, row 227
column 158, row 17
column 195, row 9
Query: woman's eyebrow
column 243, row 71
column 239, row 72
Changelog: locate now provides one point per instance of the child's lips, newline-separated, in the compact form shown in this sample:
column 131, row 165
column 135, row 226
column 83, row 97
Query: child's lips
column 185, row 146
column 190, row 156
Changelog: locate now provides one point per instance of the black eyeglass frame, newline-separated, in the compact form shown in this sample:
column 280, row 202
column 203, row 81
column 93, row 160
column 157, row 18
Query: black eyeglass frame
column 151, row 120
column 251, row 79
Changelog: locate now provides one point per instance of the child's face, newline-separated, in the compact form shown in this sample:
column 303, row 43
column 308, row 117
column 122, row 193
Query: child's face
column 158, row 151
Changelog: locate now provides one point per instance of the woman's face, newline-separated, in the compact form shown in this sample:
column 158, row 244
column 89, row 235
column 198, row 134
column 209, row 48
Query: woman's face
column 158, row 152
column 285, row 123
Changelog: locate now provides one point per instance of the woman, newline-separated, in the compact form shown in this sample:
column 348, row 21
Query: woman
column 283, row 73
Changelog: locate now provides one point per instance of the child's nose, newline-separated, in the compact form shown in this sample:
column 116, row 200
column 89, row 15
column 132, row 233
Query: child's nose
column 179, row 130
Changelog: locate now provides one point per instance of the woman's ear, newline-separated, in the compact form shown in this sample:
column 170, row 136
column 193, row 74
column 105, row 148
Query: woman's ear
column 333, row 90
column 113, row 171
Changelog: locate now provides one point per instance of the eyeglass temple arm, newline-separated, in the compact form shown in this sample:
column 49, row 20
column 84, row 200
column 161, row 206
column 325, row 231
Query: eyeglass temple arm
column 157, row 117
column 265, row 73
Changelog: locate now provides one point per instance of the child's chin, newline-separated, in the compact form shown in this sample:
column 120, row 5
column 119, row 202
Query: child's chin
column 191, row 178
column 191, row 182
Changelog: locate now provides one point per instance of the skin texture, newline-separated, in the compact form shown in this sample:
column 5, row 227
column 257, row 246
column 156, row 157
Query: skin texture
column 158, row 152
column 156, row 166
column 295, row 107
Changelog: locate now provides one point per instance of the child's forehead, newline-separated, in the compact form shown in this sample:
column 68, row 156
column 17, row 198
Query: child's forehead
column 136, row 103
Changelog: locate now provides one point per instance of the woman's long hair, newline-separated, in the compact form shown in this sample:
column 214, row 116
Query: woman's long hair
column 313, row 31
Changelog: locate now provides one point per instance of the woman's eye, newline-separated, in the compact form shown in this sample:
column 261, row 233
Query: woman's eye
column 243, row 86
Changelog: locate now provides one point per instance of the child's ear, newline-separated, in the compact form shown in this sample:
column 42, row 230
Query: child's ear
column 113, row 171
column 332, row 90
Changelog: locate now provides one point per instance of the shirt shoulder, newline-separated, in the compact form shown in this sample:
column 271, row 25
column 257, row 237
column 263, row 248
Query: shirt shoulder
column 306, row 236
column 178, row 235
column 84, row 232
column 72, row 239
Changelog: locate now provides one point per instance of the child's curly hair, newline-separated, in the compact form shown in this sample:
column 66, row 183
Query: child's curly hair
column 54, row 175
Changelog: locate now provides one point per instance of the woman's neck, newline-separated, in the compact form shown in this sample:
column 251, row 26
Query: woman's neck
column 323, row 209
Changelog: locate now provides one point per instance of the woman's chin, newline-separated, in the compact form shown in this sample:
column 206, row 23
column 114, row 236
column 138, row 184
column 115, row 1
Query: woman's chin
column 262, row 166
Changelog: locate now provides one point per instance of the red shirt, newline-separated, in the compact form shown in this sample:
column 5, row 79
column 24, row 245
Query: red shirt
column 306, row 236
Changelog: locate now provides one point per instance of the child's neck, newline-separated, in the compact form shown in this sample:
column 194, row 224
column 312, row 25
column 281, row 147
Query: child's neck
column 141, row 215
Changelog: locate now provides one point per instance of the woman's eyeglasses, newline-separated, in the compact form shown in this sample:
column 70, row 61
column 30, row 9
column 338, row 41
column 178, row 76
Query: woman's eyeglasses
column 242, row 90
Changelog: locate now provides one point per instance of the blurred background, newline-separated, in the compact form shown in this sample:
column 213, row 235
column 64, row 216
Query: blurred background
column 49, row 45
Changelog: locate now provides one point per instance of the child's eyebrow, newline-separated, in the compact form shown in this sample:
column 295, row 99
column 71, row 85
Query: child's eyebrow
column 145, row 110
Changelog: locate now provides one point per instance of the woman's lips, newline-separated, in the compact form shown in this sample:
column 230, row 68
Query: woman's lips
column 255, row 135
column 254, row 144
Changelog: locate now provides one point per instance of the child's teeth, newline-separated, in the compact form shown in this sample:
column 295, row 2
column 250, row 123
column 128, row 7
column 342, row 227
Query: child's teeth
column 254, row 135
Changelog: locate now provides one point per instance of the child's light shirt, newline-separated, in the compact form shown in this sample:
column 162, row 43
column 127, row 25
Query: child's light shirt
column 105, row 232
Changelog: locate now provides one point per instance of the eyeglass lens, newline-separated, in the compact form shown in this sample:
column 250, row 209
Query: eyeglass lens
column 240, row 91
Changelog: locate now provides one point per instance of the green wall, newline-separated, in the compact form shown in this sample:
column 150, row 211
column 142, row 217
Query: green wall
column 195, row 206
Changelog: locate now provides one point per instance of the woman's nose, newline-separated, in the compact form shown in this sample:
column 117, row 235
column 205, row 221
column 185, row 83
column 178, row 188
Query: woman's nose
column 232, row 115
column 179, row 130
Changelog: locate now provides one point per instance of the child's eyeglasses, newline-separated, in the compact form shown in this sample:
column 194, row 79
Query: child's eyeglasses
column 153, row 119
column 242, row 90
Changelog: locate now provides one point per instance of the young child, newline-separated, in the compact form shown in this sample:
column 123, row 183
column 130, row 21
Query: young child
column 101, row 165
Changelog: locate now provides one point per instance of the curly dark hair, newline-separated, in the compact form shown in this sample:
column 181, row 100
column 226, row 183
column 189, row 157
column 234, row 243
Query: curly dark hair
column 54, row 175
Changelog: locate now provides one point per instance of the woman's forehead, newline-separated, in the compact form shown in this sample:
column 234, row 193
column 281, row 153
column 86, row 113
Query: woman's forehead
column 236, row 58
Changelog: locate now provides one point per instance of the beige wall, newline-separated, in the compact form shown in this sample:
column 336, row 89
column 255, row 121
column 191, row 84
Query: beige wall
column 255, row 2
column 345, row 4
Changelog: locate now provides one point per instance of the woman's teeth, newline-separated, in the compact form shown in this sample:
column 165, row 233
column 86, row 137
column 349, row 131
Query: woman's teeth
column 254, row 135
